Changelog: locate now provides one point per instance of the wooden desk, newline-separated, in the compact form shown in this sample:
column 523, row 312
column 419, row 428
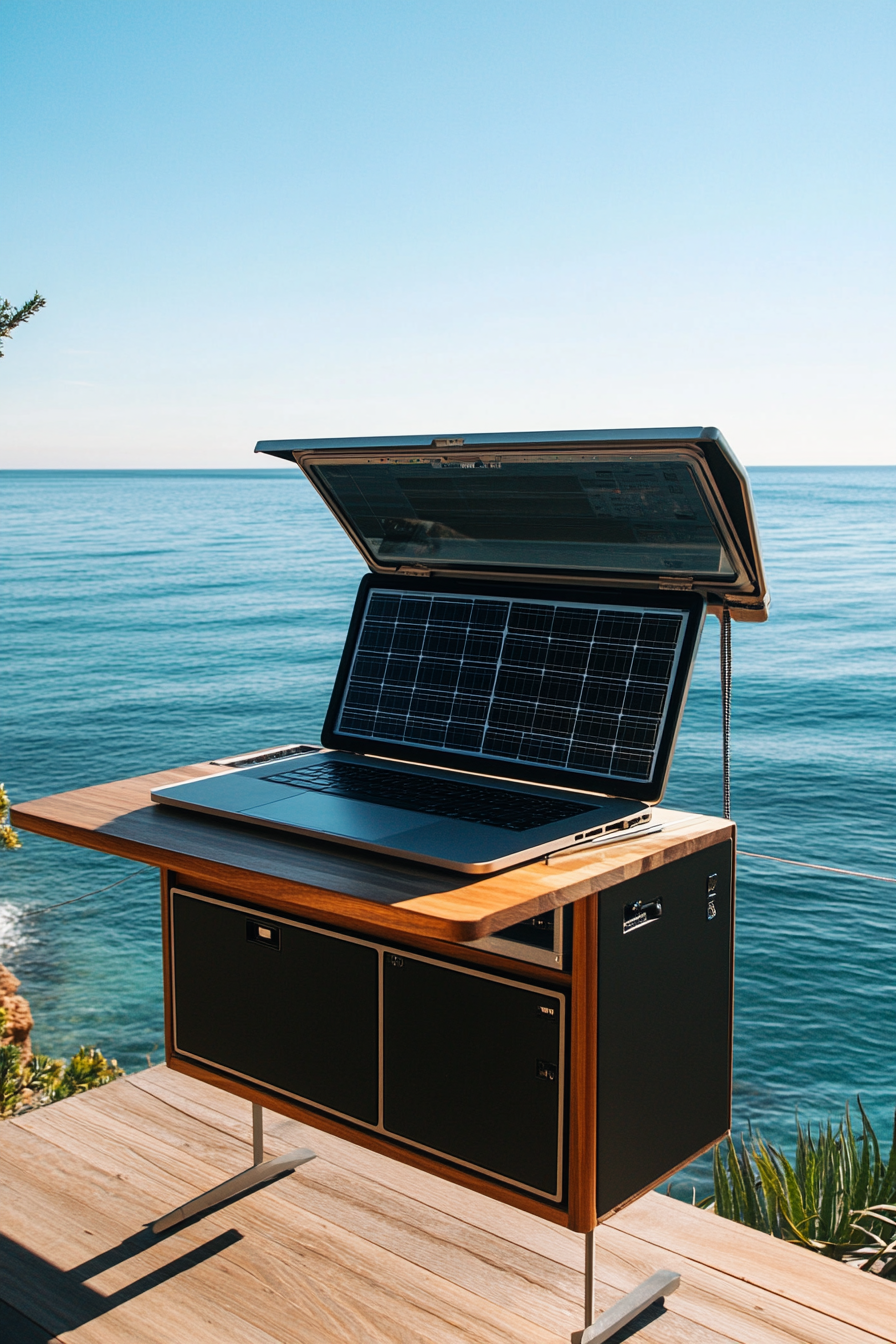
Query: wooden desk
column 327, row 880
column 433, row 913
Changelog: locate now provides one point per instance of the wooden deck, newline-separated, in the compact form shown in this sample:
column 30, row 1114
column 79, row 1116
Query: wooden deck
column 353, row 1246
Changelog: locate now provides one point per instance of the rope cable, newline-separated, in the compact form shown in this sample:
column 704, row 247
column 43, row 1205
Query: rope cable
column 725, row 671
column 822, row 867
column 28, row 914
column 725, row 675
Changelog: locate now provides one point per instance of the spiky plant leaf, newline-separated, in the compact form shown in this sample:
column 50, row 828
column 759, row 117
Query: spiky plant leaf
column 837, row 1197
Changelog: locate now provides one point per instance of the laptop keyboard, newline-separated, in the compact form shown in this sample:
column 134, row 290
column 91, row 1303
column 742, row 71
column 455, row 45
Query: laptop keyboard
column 438, row 797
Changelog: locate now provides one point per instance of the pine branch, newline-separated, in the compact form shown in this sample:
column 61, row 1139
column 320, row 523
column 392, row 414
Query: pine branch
column 10, row 319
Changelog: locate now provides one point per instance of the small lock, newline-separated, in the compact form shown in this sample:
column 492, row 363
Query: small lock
column 267, row 935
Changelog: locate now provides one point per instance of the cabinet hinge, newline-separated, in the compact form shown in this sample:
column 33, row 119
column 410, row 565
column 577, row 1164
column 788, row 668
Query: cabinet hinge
column 677, row 583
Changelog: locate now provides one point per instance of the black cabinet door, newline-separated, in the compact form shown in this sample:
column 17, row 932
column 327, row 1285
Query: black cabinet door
column 472, row 1069
column 664, row 1021
column 292, row 1008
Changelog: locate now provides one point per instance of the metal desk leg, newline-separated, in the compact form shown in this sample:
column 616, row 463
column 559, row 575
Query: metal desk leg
column 257, row 1134
column 589, row 1277
column 659, row 1285
column 258, row 1174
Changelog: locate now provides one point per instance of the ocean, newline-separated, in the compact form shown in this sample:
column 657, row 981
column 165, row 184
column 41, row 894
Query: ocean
column 153, row 618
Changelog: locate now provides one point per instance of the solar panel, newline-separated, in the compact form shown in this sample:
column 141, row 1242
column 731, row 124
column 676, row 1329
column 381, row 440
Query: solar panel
column 582, row 687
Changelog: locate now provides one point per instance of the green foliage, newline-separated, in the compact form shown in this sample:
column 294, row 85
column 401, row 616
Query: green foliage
column 26, row 1083
column 838, row 1197
column 44, row 1076
column 10, row 1079
column 87, row 1069
column 9, row 839
column 11, row 318
column 42, row 1079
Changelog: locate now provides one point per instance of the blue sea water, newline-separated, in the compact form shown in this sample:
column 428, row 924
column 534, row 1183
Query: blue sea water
column 150, row 619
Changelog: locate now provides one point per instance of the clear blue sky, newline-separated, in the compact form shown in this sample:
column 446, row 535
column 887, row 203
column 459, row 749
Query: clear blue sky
column 265, row 219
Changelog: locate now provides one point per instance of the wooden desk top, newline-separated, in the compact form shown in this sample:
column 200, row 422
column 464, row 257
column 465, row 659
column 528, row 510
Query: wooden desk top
column 328, row 880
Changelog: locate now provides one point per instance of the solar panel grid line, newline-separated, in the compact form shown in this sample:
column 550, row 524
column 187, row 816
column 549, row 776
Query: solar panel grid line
column 515, row 678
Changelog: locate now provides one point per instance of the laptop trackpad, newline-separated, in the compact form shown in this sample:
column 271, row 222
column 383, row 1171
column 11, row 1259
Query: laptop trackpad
column 336, row 816
column 229, row 793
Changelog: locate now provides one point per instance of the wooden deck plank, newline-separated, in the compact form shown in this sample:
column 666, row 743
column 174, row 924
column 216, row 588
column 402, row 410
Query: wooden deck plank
column 356, row 1245
column 62, row 1224
column 388, row 1220
column 18, row 1329
column 426, row 1235
column 708, row 1296
column 764, row 1290
column 842, row 1292
column 341, row 1267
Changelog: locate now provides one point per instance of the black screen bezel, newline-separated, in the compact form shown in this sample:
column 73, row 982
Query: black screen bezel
column 648, row 791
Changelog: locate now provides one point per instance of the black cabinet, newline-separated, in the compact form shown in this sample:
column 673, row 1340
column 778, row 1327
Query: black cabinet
column 278, row 1003
column 469, row 1063
column 473, row 1068
column 664, row 985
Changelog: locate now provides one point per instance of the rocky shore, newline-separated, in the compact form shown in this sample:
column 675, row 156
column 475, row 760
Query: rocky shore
column 16, row 1016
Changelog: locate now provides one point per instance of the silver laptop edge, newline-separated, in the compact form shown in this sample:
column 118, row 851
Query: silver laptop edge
column 458, row 845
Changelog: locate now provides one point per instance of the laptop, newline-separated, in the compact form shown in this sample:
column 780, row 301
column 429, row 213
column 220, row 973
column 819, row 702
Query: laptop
column 518, row 658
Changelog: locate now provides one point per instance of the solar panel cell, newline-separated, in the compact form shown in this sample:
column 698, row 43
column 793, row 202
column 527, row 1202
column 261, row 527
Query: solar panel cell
column 408, row 638
column 376, row 636
column 609, row 694
column 610, row 659
column 573, row 623
column 588, row 758
column 401, row 672
column 568, row 656
column 476, row 680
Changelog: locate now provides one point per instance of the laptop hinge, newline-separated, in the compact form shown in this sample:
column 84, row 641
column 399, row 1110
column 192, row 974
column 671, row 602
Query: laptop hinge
column 419, row 570
column 677, row 583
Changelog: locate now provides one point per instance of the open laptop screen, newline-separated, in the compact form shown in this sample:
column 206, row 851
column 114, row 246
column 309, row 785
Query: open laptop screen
column 534, row 683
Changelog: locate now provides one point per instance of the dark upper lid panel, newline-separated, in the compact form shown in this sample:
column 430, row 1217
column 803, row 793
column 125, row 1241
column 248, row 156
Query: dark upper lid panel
column 646, row 508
